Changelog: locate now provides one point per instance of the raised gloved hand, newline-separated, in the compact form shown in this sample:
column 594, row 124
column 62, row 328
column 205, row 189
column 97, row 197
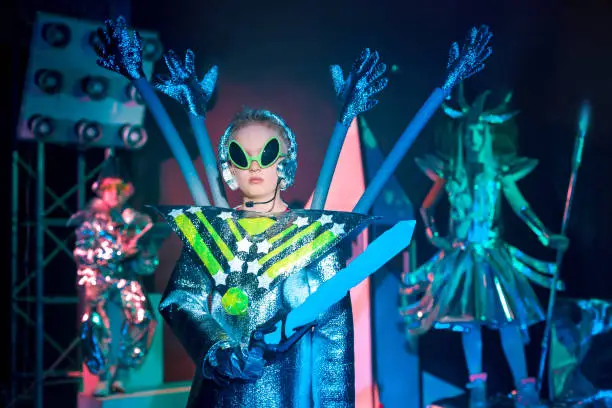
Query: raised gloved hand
column 235, row 364
column 183, row 84
column 120, row 49
column 363, row 82
column 470, row 60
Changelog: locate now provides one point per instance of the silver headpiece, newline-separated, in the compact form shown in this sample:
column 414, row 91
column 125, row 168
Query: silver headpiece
column 286, row 168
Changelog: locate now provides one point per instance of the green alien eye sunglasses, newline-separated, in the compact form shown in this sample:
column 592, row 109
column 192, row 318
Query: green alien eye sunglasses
column 266, row 158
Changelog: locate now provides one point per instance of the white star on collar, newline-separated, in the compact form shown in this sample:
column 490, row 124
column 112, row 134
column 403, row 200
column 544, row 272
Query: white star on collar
column 244, row 245
column 253, row 267
column 301, row 221
column 263, row 247
column 225, row 215
column 193, row 210
column 220, row 277
column 325, row 219
column 264, row 281
column 337, row 229
column 236, row 264
column 176, row 212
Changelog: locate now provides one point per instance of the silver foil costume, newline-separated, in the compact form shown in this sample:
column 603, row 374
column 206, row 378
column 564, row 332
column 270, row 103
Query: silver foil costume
column 108, row 275
column 239, row 270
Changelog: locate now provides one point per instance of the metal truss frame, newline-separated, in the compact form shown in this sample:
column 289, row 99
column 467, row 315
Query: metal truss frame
column 30, row 259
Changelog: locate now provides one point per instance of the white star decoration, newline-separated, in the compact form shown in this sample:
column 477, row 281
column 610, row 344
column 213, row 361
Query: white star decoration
column 236, row 265
column 337, row 229
column 301, row 221
column 263, row 247
column 253, row 267
column 225, row 215
column 176, row 212
column 264, row 281
column 193, row 210
column 220, row 277
column 325, row 219
column 244, row 245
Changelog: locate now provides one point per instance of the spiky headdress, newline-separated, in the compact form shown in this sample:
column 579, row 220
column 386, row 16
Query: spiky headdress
column 475, row 113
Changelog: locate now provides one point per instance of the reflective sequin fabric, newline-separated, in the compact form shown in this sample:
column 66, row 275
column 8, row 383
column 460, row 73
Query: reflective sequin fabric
column 119, row 49
column 276, row 260
column 183, row 84
column 469, row 60
column 356, row 92
column 109, row 275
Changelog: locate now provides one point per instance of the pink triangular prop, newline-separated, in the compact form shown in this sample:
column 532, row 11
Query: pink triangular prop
column 347, row 186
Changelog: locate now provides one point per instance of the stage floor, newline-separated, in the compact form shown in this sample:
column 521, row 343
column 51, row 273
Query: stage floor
column 169, row 395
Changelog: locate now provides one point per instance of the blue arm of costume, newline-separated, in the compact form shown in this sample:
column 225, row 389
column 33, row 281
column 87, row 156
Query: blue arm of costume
column 120, row 50
column 333, row 362
column 355, row 94
column 174, row 141
column 461, row 65
column 217, row 190
column 329, row 166
column 183, row 86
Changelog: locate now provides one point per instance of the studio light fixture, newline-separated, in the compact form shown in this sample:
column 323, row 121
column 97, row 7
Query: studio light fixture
column 132, row 94
column 94, row 40
column 88, row 131
column 96, row 87
column 41, row 126
column 133, row 137
column 49, row 81
column 56, row 34
column 151, row 49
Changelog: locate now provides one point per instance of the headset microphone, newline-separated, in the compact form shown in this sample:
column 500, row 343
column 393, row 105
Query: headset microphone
column 251, row 204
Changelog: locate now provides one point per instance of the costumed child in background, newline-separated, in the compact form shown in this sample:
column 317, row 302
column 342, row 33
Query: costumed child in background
column 111, row 257
column 477, row 279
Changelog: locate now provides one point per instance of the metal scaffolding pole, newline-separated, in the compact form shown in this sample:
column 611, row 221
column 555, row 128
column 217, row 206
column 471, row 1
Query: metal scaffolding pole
column 14, row 269
column 35, row 366
column 40, row 277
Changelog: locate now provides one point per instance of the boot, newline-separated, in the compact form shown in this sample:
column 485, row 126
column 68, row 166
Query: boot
column 119, row 379
column 478, row 390
column 527, row 395
column 101, row 389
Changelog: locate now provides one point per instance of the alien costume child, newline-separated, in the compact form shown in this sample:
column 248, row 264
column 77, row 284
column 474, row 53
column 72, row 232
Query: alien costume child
column 108, row 272
column 238, row 270
column 476, row 277
column 241, row 269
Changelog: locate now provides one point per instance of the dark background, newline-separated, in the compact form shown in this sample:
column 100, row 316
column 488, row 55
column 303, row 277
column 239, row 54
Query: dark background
column 273, row 54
